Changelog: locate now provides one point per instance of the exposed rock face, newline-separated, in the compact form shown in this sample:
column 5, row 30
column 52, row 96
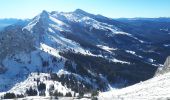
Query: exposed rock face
column 165, row 68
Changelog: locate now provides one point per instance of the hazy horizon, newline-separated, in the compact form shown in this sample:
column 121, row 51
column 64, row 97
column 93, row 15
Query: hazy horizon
column 23, row 9
column 85, row 11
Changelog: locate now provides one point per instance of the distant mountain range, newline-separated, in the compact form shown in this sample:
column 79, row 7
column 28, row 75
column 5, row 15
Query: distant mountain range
column 9, row 21
column 63, row 53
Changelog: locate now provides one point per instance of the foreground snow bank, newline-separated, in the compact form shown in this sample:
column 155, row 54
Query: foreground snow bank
column 155, row 88
column 51, row 98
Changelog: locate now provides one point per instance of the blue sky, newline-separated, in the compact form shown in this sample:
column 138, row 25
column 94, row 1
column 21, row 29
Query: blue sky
column 110, row 8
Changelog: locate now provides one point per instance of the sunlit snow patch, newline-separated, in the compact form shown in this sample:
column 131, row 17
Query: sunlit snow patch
column 106, row 48
column 120, row 61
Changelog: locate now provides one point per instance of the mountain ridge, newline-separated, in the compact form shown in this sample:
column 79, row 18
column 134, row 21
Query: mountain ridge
column 64, row 49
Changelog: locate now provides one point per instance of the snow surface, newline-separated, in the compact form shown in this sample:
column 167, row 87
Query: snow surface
column 133, row 53
column 52, row 37
column 22, row 86
column 106, row 48
column 49, row 50
column 21, row 65
column 87, row 21
column 51, row 98
column 120, row 61
column 152, row 89
column 167, row 45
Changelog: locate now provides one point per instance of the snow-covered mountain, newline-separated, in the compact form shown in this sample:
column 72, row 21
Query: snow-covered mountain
column 74, row 52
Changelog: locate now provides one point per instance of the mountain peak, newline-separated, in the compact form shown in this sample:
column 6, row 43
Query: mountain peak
column 80, row 11
column 42, row 18
column 44, row 14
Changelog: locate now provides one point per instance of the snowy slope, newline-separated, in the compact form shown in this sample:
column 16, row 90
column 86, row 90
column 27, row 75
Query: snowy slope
column 47, row 30
column 33, row 48
column 86, row 21
column 155, row 88
column 21, row 87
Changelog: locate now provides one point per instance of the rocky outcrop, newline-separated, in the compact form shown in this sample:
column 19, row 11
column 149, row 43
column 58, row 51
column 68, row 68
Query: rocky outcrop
column 165, row 68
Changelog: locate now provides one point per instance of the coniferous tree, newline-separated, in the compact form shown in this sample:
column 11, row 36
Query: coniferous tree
column 31, row 92
column 9, row 96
